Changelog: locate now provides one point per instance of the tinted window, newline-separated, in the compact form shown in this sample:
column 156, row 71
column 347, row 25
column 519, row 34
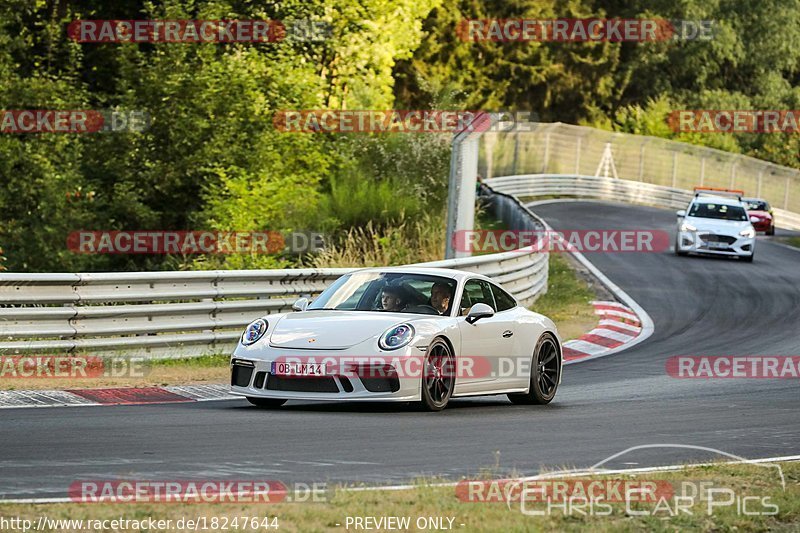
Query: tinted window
column 363, row 291
column 717, row 211
column 504, row 300
column 477, row 291
column 756, row 205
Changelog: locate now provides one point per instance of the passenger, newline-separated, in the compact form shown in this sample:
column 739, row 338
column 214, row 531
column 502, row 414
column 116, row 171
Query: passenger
column 393, row 298
column 441, row 294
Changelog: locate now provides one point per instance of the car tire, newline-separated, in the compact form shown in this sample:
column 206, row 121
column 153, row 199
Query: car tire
column 265, row 403
column 545, row 374
column 438, row 376
column 749, row 258
column 771, row 230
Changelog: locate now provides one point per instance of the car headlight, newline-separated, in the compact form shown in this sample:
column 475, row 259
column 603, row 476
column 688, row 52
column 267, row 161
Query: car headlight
column 396, row 337
column 748, row 233
column 687, row 227
column 254, row 332
column 754, row 219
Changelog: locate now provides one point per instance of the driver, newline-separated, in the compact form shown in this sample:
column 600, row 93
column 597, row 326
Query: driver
column 441, row 293
column 393, row 298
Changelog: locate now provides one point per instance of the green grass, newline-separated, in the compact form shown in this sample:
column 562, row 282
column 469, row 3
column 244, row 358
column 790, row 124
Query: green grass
column 425, row 500
column 791, row 241
column 567, row 301
column 204, row 361
column 485, row 221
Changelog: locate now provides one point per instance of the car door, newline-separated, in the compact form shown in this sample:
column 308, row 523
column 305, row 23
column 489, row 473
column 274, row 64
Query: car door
column 516, row 372
column 484, row 343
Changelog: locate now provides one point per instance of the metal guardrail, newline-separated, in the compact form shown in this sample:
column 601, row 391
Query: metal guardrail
column 178, row 314
column 561, row 185
column 556, row 148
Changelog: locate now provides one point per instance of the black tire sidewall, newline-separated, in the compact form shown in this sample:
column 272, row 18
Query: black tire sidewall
column 534, row 387
column 427, row 402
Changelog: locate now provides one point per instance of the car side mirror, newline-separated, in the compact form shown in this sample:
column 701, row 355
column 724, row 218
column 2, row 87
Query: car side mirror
column 301, row 304
column 479, row 311
column 681, row 214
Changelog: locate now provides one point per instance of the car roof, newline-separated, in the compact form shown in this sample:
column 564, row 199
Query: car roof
column 717, row 200
column 458, row 275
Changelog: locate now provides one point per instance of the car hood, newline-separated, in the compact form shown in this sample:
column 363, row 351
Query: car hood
column 332, row 330
column 723, row 227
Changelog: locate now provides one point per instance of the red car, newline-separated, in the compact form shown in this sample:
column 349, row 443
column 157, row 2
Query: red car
column 760, row 215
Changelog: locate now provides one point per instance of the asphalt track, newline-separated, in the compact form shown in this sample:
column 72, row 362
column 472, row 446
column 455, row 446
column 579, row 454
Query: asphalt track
column 699, row 307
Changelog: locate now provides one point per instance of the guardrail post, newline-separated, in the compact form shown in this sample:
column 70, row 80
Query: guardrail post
column 546, row 152
column 758, row 186
column 516, row 153
column 488, row 143
column 641, row 161
column 702, row 171
column 786, row 194
column 674, row 170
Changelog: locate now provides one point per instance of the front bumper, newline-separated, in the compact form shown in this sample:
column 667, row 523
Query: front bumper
column 715, row 244
column 763, row 225
column 253, row 377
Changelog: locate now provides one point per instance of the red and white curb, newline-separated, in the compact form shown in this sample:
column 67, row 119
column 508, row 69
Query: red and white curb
column 619, row 326
column 115, row 396
column 613, row 316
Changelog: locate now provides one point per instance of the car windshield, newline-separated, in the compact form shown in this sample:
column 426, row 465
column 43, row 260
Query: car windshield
column 389, row 292
column 718, row 211
column 756, row 205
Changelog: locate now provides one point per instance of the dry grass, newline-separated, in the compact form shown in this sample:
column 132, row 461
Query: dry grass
column 194, row 371
column 409, row 241
column 431, row 501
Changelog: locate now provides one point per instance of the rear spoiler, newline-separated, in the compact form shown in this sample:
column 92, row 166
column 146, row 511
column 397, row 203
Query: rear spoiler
column 712, row 191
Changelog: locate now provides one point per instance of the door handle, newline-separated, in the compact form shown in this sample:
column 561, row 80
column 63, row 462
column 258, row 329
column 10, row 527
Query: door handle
column 507, row 333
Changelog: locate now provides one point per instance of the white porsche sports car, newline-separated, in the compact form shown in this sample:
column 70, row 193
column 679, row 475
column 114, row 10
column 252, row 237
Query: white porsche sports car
column 400, row 334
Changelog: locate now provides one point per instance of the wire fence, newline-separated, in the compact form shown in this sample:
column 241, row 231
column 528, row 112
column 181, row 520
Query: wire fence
column 566, row 149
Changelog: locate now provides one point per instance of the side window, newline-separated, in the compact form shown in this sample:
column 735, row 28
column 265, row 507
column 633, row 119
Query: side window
column 504, row 300
column 476, row 291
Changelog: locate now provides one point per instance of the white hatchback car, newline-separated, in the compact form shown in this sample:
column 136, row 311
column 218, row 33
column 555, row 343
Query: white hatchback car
column 717, row 223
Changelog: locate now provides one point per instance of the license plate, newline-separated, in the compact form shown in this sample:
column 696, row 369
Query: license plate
column 298, row 369
column 717, row 245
